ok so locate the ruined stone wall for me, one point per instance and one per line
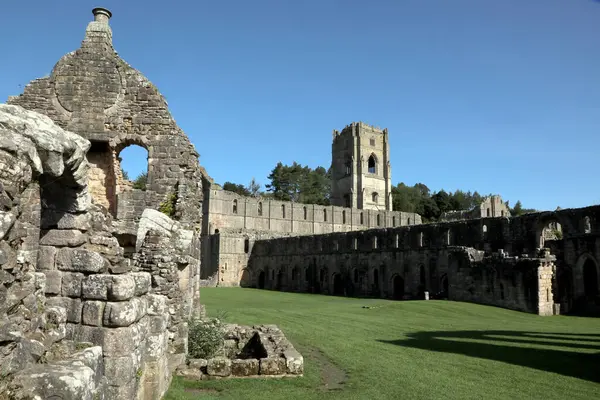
(96, 94)
(523, 284)
(250, 219)
(67, 283)
(491, 206)
(406, 261)
(230, 210)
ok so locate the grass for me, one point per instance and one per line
(411, 349)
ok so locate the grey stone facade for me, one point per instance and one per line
(499, 261)
(361, 170)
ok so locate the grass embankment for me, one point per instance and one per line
(410, 350)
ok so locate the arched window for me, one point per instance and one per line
(246, 245)
(235, 206)
(408, 221)
(393, 220)
(325, 215)
(347, 202)
(260, 208)
(283, 210)
(372, 164)
(362, 219)
(305, 213)
(343, 216)
(375, 197)
(378, 220)
(488, 212)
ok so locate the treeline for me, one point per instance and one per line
(303, 184)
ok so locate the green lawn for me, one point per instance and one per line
(410, 350)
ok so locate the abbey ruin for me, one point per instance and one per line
(97, 285)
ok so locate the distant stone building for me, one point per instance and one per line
(491, 206)
(360, 166)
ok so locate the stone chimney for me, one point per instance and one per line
(98, 31)
(101, 15)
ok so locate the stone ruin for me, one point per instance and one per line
(248, 351)
(80, 320)
(96, 286)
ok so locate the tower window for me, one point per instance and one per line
(372, 164)
(283, 210)
(375, 197)
(235, 206)
(378, 220)
(362, 220)
(260, 208)
(343, 216)
(372, 141)
(325, 215)
(305, 213)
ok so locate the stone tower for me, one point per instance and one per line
(360, 166)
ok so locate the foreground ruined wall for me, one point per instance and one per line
(66, 284)
(405, 262)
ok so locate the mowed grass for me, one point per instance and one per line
(411, 349)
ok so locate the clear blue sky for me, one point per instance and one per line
(494, 96)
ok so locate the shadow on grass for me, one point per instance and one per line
(569, 362)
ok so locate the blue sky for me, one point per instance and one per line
(494, 96)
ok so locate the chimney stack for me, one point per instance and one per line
(101, 15)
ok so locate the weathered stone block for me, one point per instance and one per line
(157, 304)
(219, 366)
(143, 281)
(198, 363)
(63, 238)
(53, 282)
(272, 366)
(115, 342)
(294, 362)
(244, 367)
(73, 307)
(81, 222)
(124, 313)
(71, 284)
(95, 287)
(122, 288)
(80, 260)
(93, 312)
(46, 257)
(157, 323)
(120, 370)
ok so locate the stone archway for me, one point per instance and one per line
(444, 285)
(245, 279)
(397, 287)
(261, 280)
(338, 285)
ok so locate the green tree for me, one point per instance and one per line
(125, 174)
(517, 209)
(141, 181)
(236, 188)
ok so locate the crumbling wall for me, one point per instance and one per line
(66, 280)
(97, 95)
(404, 262)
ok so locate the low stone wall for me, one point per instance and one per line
(248, 352)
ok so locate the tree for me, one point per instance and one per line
(253, 188)
(236, 188)
(125, 174)
(141, 181)
(299, 183)
(517, 209)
